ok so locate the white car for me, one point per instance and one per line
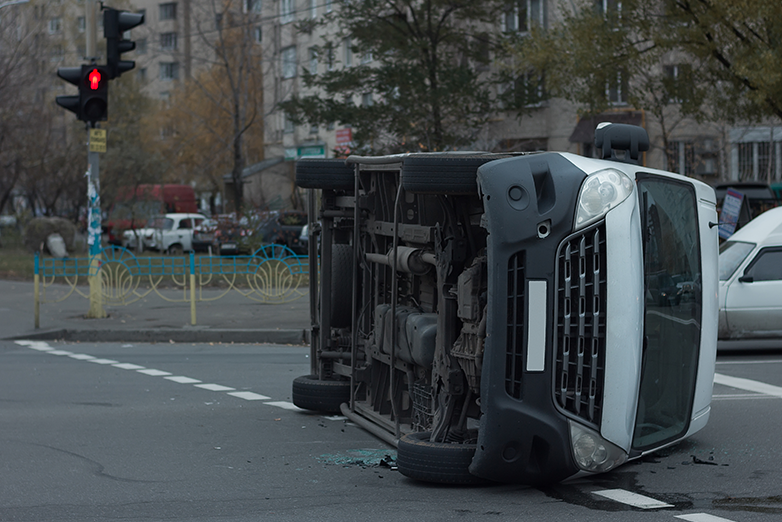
(750, 292)
(140, 239)
(173, 233)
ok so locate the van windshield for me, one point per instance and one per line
(672, 320)
(732, 254)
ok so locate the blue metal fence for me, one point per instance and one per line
(272, 274)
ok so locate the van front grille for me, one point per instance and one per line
(581, 323)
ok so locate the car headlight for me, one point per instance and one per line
(601, 191)
(592, 452)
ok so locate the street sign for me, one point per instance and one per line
(97, 140)
(308, 151)
(729, 217)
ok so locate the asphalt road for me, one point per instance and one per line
(206, 432)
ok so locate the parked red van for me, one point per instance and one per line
(133, 208)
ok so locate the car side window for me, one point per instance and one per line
(185, 224)
(767, 266)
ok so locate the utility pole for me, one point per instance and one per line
(94, 229)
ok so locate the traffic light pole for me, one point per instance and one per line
(94, 231)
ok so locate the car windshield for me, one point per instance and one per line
(732, 254)
(671, 327)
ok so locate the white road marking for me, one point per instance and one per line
(102, 361)
(182, 380)
(702, 517)
(249, 396)
(747, 384)
(214, 387)
(128, 366)
(35, 345)
(246, 395)
(60, 352)
(284, 405)
(154, 373)
(632, 499)
(742, 396)
(769, 361)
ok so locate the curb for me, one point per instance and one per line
(176, 335)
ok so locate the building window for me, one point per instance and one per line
(55, 25)
(329, 57)
(57, 53)
(81, 24)
(168, 11)
(692, 158)
(677, 81)
(366, 58)
(521, 15)
(313, 128)
(258, 33)
(756, 153)
(313, 60)
(168, 41)
(756, 161)
(616, 89)
(287, 11)
(141, 46)
(289, 62)
(314, 8)
(142, 75)
(287, 124)
(347, 52)
(252, 6)
(366, 100)
(529, 89)
(329, 6)
(169, 71)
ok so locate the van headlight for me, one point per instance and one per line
(592, 452)
(601, 191)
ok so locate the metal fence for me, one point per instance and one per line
(272, 274)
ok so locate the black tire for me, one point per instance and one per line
(176, 250)
(438, 462)
(324, 396)
(324, 174)
(341, 285)
(438, 174)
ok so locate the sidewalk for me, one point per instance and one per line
(232, 318)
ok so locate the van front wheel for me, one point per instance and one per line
(439, 462)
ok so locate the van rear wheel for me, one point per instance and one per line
(309, 393)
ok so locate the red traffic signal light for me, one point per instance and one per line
(92, 103)
(94, 93)
(93, 79)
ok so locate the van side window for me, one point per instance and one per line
(185, 224)
(767, 266)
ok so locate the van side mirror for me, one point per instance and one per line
(747, 279)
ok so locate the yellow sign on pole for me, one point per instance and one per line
(97, 140)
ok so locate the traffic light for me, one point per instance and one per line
(94, 93)
(72, 103)
(115, 23)
(92, 102)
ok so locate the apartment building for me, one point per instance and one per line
(173, 44)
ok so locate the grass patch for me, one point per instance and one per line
(17, 264)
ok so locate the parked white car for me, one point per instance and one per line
(750, 266)
(173, 233)
(140, 239)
